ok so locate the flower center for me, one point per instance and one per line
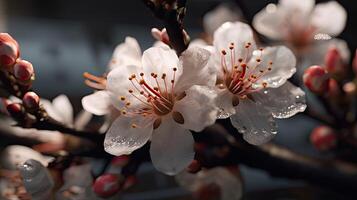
(239, 77)
(156, 96)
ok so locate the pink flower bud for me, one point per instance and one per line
(323, 138)
(31, 100)
(333, 61)
(316, 79)
(120, 160)
(9, 50)
(194, 167)
(15, 109)
(106, 185)
(23, 70)
(161, 35)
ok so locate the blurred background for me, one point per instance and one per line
(64, 38)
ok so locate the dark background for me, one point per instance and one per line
(64, 38)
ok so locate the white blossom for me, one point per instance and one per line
(308, 29)
(161, 99)
(252, 83)
(126, 53)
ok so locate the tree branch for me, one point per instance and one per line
(172, 16)
(276, 160)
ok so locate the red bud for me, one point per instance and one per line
(333, 61)
(15, 110)
(23, 70)
(106, 185)
(31, 100)
(316, 79)
(9, 50)
(323, 138)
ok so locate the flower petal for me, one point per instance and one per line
(160, 60)
(271, 22)
(284, 101)
(198, 108)
(122, 138)
(222, 13)
(239, 33)
(126, 53)
(82, 119)
(171, 148)
(118, 85)
(224, 102)
(97, 103)
(302, 6)
(329, 18)
(64, 108)
(195, 69)
(283, 66)
(254, 121)
(51, 110)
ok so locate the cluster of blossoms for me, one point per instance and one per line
(160, 97)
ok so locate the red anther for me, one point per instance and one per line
(9, 50)
(23, 70)
(323, 138)
(120, 160)
(194, 167)
(316, 79)
(106, 185)
(333, 61)
(31, 100)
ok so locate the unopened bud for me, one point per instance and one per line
(31, 100)
(333, 61)
(9, 50)
(323, 138)
(161, 35)
(316, 79)
(194, 167)
(15, 110)
(106, 185)
(23, 70)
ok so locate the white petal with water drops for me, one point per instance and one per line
(254, 121)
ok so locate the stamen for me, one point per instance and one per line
(95, 82)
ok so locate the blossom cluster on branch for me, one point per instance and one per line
(189, 107)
